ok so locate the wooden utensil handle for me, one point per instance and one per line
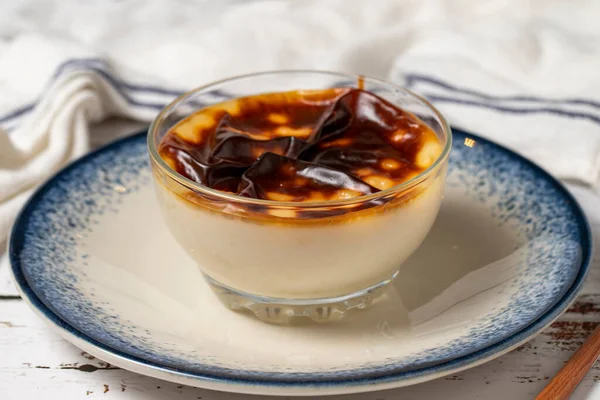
(567, 379)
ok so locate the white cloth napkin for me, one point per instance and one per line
(525, 74)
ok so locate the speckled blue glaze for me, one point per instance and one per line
(554, 237)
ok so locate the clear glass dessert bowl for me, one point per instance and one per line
(284, 259)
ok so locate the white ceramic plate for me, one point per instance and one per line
(506, 256)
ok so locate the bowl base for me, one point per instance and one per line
(285, 312)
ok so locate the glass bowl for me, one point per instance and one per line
(282, 260)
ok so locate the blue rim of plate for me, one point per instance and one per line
(16, 244)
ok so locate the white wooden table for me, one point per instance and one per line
(36, 363)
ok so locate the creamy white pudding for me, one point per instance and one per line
(304, 176)
(301, 259)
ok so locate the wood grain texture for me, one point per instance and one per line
(35, 361)
(564, 383)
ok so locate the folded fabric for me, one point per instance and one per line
(526, 77)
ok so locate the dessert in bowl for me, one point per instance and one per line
(297, 193)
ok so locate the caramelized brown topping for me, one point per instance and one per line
(301, 146)
(298, 181)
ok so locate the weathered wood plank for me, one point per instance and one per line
(35, 360)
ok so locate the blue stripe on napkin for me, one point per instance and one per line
(129, 90)
(413, 79)
(512, 110)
